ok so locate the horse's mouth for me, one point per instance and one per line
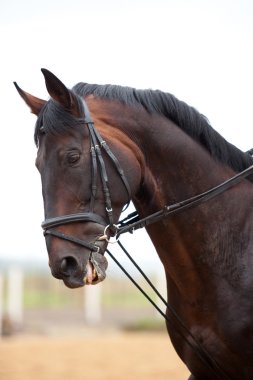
(91, 274)
(95, 272)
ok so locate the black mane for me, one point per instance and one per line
(187, 118)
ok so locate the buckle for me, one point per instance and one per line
(97, 248)
(116, 236)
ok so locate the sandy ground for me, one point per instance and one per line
(112, 355)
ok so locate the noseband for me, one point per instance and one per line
(97, 145)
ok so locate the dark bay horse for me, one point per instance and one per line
(99, 147)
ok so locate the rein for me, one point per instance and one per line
(132, 223)
(173, 318)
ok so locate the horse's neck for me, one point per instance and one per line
(177, 168)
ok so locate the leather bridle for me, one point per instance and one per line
(98, 167)
(131, 222)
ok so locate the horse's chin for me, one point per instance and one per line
(73, 282)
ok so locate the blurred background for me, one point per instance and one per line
(198, 50)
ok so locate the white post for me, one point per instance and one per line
(92, 304)
(1, 305)
(15, 296)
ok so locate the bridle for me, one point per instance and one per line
(98, 167)
(131, 223)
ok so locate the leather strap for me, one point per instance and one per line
(94, 170)
(135, 223)
(116, 164)
(91, 246)
(79, 217)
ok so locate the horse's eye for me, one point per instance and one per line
(73, 158)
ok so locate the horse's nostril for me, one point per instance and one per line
(63, 264)
(68, 266)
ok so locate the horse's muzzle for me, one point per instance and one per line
(75, 274)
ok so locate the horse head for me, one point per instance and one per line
(87, 177)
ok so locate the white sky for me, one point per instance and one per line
(198, 50)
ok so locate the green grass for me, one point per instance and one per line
(38, 299)
(43, 291)
(126, 299)
(146, 324)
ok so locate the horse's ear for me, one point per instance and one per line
(57, 90)
(34, 103)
